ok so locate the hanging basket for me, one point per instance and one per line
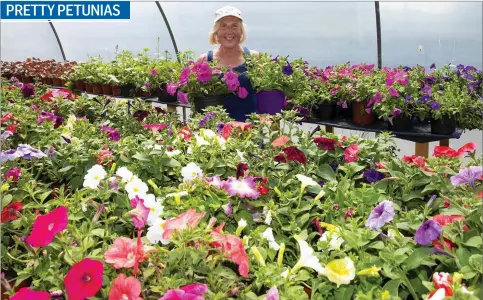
(360, 115)
(270, 102)
(201, 103)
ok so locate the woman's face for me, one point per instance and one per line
(229, 34)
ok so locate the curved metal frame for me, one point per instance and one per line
(169, 29)
(58, 40)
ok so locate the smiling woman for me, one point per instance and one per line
(229, 32)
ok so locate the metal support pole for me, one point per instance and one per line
(169, 30)
(58, 40)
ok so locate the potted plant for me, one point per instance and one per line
(316, 96)
(341, 83)
(367, 82)
(202, 84)
(159, 74)
(275, 80)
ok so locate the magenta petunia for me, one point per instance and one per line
(47, 226)
(242, 93)
(182, 97)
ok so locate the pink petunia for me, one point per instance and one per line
(13, 174)
(182, 97)
(28, 294)
(171, 88)
(244, 188)
(124, 252)
(155, 127)
(194, 291)
(139, 214)
(401, 77)
(84, 279)
(242, 93)
(233, 85)
(230, 77)
(351, 153)
(125, 288)
(393, 92)
(203, 76)
(232, 247)
(187, 220)
(47, 226)
(184, 76)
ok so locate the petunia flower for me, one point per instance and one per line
(443, 280)
(155, 127)
(351, 153)
(242, 92)
(13, 174)
(243, 188)
(272, 294)
(268, 235)
(191, 171)
(428, 232)
(183, 97)
(27, 152)
(84, 279)
(187, 220)
(28, 294)
(194, 291)
(10, 212)
(333, 238)
(280, 141)
(325, 143)
(232, 247)
(47, 226)
(125, 251)
(140, 213)
(156, 231)
(136, 187)
(467, 176)
(307, 259)
(215, 181)
(94, 176)
(340, 271)
(373, 175)
(125, 288)
(382, 214)
(291, 153)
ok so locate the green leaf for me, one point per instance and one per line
(148, 272)
(301, 221)
(474, 242)
(475, 262)
(170, 162)
(326, 172)
(6, 200)
(22, 277)
(393, 287)
(141, 157)
(65, 169)
(98, 232)
(345, 292)
(414, 260)
(376, 245)
(463, 256)
(44, 196)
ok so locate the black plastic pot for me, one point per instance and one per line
(326, 111)
(128, 90)
(344, 113)
(401, 123)
(211, 100)
(444, 126)
(164, 96)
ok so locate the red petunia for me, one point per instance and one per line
(186, 133)
(155, 127)
(12, 128)
(7, 117)
(325, 143)
(241, 170)
(449, 244)
(47, 226)
(226, 131)
(262, 186)
(291, 153)
(84, 279)
(10, 212)
(444, 281)
(444, 151)
(28, 294)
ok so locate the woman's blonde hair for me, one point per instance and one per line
(216, 26)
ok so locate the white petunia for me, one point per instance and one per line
(155, 208)
(94, 176)
(136, 187)
(340, 271)
(207, 133)
(125, 174)
(268, 235)
(240, 155)
(173, 153)
(200, 141)
(307, 258)
(155, 232)
(306, 181)
(191, 171)
(221, 141)
(268, 215)
(335, 240)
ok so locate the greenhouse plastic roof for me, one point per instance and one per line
(323, 33)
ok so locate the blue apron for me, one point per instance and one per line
(237, 108)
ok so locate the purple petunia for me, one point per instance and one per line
(228, 208)
(430, 201)
(113, 133)
(219, 127)
(9, 155)
(435, 105)
(5, 134)
(207, 118)
(456, 134)
(28, 90)
(382, 214)
(428, 232)
(287, 69)
(425, 98)
(27, 152)
(467, 176)
(372, 175)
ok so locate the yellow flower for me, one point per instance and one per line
(340, 271)
(329, 227)
(385, 295)
(372, 271)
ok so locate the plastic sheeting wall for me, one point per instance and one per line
(323, 33)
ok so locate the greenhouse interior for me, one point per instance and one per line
(244, 150)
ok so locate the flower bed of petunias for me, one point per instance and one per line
(102, 199)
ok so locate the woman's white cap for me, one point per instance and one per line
(228, 11)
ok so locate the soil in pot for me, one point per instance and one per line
(444, 126)
(211, 100)
(106, 89)
(326, 111)
(360, 115)
(401, 123)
